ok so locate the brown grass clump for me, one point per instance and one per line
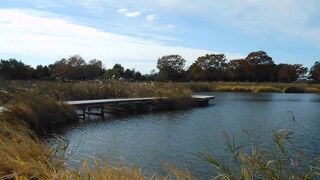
(265, 89)
(234, 89)
(198, 86)
(21, 153)
(4, 96)
(173, 98)
(312, 90)
(40, 113)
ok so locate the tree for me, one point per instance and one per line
(41, 72)
(116, 72)
(315, 72)
(259, 57)
(291, 72)
(93, 70)
(215, 66)
(195, 72)
(14, 69)
(71, 68)
(263, 66)
(171, 67)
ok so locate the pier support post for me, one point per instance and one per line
(83, 113)
(102, 111)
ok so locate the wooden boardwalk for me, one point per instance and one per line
(87, 105)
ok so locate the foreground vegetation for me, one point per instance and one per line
(262, 163)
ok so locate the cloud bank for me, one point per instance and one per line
(27, 33)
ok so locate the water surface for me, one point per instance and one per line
(179, 138)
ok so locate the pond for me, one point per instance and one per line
(180, 138)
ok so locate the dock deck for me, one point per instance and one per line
(85, 105)
(129, 100)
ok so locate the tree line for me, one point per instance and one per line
(256, 67)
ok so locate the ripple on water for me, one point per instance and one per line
(181, 137)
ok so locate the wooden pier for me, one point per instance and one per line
(86, 105)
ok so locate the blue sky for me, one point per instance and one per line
(136, 33)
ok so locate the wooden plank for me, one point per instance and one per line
(109, 101)
(99, 102)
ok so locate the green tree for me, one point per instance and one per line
(116, 72)
(315, 71)
(93, 70)
(14, 69)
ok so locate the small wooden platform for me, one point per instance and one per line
(87, 105)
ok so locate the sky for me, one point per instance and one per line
(135, 33)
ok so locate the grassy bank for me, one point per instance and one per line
(252, 87)
(97, 90)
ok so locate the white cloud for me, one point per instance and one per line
(150, 17)
(129, 13)
(291, 19)
(41, 36)
(123, 10)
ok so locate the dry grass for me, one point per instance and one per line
(265, 89)
(312, 90)
(266, 164)
(40, 113)
(234, 89)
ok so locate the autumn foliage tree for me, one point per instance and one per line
(171, 67)
(214, 66)
(291, 72)
(75, 67)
